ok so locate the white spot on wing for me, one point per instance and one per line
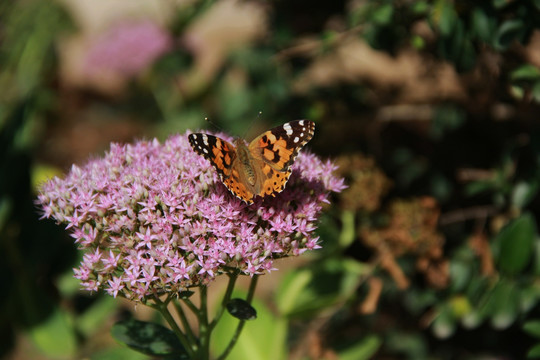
(301, 122)
(288, 129)
(205, 139)
(296, 139)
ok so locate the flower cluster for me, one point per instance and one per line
(155, 218)
(129, 48)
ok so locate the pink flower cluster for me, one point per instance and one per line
(154, 218)
(129, 48)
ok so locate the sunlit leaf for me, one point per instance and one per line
(262, 339)
(55, 337)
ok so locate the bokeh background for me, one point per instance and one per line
(431, 109)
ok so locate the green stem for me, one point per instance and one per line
(226, 298)
(204, 328)
(187, 328)
(193, 308)
(162, 308)
(240, 326)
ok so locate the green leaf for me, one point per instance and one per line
(536, 261)
(148, 338)
(412, 345)
(419, 7)
(460, 274)
(305, 291)
(348, 233)
(515, 242)
(447, 17)
(528, 298)
(383, 15)
(502, 305)
(532, 328)
(499, 4)
(472, 320)
(241, 309)
(534, 352)
(363, 349)
(523, 193)
(55, 336)
(117, 353)
(95, 316)
(481, 25)
(263, 339)
(444, 324)
(525, 72)
(509, 31)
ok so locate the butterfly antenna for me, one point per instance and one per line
(214, 124)
(248, 130)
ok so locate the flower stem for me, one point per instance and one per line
(185, 323)
(230, 287)
(204, 328)
(240, 326)
(193, 308)
(161, 306)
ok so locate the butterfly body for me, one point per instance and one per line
(259, 168)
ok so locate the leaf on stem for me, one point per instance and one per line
(241, 309)
(148, 338)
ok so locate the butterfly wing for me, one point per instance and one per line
(219, 152)
(222, 156)
(277, 148)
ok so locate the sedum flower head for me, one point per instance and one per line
(154, 218)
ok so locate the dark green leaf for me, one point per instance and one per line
(186, 294)
(447, 18)
(241, 309)
(504, 304)
(509, 31)
(481, 25)
(515, 242)
(148, 338)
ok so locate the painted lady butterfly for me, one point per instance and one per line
(261, 168)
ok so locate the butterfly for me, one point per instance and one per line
(260, 168)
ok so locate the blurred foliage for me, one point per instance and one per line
(430, 109)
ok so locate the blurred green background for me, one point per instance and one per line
(431, 109)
